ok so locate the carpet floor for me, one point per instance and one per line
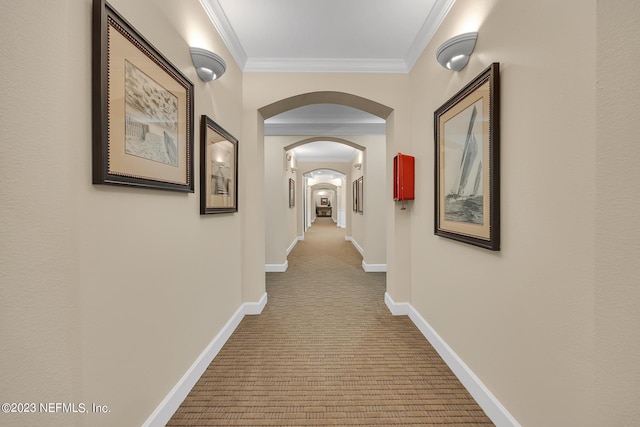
(326, 352)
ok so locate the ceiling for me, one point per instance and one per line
(325, 151)
(324, 176)
(364, 36)
(325, 119)
(326, 35)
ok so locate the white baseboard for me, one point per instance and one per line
(487, 401)
(369, 268)
(354, 243)
(293, 244)
(176, 396)
(255, 308)
(374, 268)
(276, 268)
(396, 308)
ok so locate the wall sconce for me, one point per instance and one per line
(454, 53)
(209, 66)
(358, 166)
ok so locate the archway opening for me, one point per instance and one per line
(371, 220)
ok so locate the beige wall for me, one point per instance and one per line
(376, 198)
(108, 294)
(263, 89)
(40, 314)
(365, 229)
(522, 318)
(282, 220)
(617, 231)
(357, 229)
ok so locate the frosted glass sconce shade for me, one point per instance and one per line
(209, 66)
(454, 53)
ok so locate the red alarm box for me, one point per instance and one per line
(403, 177)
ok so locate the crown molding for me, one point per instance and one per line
(429, 28)
(219, 18)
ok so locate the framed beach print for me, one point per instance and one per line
(142, 110)
(292, 193)
(467, 168)
(218, 169)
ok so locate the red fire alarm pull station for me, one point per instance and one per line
(403, 177)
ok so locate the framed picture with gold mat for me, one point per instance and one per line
(360, 195)
(467, 166)
(218, 169)
(142, 109)
(292, 193)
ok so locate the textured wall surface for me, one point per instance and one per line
(522, 318)
(108, 294)
(39, 311)
(617, 235)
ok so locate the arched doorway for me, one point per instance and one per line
(254, 229)
(357, 151)
(364, 225)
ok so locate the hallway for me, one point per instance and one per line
(326, 351)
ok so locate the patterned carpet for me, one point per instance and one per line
(326, 352)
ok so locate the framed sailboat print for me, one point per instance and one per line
(467, 160)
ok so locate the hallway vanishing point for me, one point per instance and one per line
(326, 352)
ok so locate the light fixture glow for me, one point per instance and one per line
(210, 75)
(209, 66)
(454, 53)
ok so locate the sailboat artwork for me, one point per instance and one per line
(463, 162)
(467, 163)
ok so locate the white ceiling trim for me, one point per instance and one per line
(324, 129)
(324, 65)
(435, 18)
(221, 22)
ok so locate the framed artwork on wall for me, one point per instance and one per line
(292, 193)
(360, 194)
(218, 169)
(324, 201)
(354, 194)
(467, 167)
(142, 110)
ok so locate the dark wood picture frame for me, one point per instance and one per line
(354, 193)
(218, 169)
(467, 163)
(360, 192)
(292, 193)
(142, 110)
